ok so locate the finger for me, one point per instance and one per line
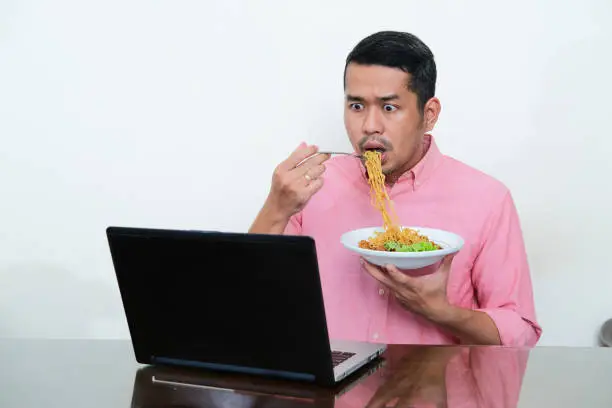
(447, 261)
(385, 395)
(405, 402)
(303, 171)
(379, 401)
(305, 193)
(398, 276)
(377, 273)
(313, 174)
(314, 186)
(310, 162)
(301, 153)
(316, 171)
(446, 264)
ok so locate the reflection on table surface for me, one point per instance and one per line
(103, 373)
(407, 376)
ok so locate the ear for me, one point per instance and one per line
(431, 112)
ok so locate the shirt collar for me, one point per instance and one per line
(424, 168)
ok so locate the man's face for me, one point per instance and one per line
(382, 113)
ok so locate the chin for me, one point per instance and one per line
(387, 169)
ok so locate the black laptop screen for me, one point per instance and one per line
(238, 299)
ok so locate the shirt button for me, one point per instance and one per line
(381, 291)
(375, 336)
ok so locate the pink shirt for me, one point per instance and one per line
(490, 273)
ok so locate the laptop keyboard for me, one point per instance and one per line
(339, 357)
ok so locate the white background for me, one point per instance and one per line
(174, 113)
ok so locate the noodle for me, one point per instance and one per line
(394, 237)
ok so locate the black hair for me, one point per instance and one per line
(400, 50)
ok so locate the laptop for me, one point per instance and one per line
(235, 302)
(162, 386)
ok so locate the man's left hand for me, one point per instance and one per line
(424, 295)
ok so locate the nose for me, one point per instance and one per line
(373, 123)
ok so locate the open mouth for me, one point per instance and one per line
(381, 150)
(374, 145)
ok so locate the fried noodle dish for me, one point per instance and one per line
(394, 238)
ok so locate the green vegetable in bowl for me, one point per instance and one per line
(393, 246)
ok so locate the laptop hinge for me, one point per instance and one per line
(235, 368)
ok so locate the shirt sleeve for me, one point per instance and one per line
(294, 226)
(502, 280)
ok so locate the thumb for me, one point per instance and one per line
(446, 263)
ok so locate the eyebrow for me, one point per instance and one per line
(386, 98)
(353, 98)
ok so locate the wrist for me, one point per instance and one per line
(274, 214)
(447, 315)
(270, 220)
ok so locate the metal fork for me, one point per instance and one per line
(359, 156)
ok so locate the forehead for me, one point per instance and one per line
(375, 81)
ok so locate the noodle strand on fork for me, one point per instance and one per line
(381, 201)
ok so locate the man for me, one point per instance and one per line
(483, 295)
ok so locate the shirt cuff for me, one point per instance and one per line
(514, 330)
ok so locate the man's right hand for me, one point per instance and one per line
(294, 182)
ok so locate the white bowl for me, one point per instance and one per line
(449, 242)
